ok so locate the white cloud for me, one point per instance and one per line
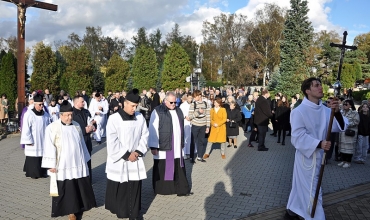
(123, 18)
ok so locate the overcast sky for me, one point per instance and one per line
(122, 18)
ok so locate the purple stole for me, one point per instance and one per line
(170, 160)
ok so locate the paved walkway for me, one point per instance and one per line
(248, 184)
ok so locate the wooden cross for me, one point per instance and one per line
(22, 6)
(343, 47)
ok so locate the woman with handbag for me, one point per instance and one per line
(347, 139)
(218, 128)
(232, 122)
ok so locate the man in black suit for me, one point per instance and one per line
(82, 117)
(115, 103)
(262, 114)
(156, 100)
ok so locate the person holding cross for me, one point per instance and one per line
(309, 123)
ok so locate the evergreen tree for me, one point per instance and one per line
(79, 70)
(176, 68)
(8, 78)
(98, 81)
(144, 68)
(294, 54)
(117, 74)
(44, 74)
(348, 76)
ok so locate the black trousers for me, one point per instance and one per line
(262, 130)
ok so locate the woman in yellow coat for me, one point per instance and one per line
(218, 128)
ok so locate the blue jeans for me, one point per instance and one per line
(361, 148)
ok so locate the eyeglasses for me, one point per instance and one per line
(40, 104)
(171, 102)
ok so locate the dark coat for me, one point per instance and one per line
(282, 115)
(262, 112)
(233, 115)
(156, 101)
(81, 117)
(114, 103)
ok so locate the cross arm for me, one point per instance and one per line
(42, 5)
(343, 46)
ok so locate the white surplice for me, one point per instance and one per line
(104, 121)
(33, 132)
(187, 127)
(122, 137)
(65, 150)
(55, 109)
(100, 119)
(153, 141)
(309, 123)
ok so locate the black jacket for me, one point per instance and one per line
(81, 117)
(282, 115)
(114, 103)
(165, 131)
(233, 115)
(262, 112)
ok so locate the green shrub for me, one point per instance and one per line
(357, 95)
(366, 95)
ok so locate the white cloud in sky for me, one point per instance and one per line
(123, 18)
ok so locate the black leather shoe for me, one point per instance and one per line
(278, 141)
(192, 161)
(273, 134)
(235, 146)
(250, 145)
(229, 145)
(289, 134)
(263, 149)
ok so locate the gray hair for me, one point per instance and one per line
(232, 97)
(170, 93)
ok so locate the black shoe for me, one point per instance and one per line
(235, 146)
(283, 143)
(99, 142)
(250, 145)
(187, 194)
(192, 161)
(273, 134)
(278, 141)
(229, 145)
(263, 149)
(289, 134)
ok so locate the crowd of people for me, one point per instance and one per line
(57, 135)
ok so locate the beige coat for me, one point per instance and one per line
(347, 143)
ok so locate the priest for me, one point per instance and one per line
(127, 137)
(309, 123)
(166, 140)
(66, 156)
(34, 124)
(98, 110)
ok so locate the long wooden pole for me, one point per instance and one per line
(21, 68)
(322, 165)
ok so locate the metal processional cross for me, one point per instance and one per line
(343, 47)
(22, 6)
